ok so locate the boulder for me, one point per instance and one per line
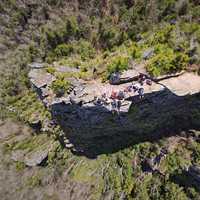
(35, 122)
(36, 65)
(39, 78)
(69, 146)
(36, 157)
(109, 195)
(124, 77)
(114, 78)
(148, 53)
(125, 106)
(194, 59)
(45, 92)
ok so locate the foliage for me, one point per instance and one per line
(60, 86)
(63, 50)
(109, 36)
(161, 36)
(118, 64)
(34, 181)
(82, 48)
(85, 49)
(29, 109)
(166, 60)
(135, 51)
(51, 70)
(173, 192)
(20, 166)
(53, 36)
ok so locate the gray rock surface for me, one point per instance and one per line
(36, 65)
(67, 69)
(148, 53)
(18, 155)
(114, 78)
(36, 157)
(88, 122)
(109, 195)
(40, 78)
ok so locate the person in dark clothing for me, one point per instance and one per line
(97, 101)
(114, 106)
(104, 98)
(141, 92)
(120, 95)
(94, 72)
(149, 82)
(142, 78)
(135, 87)
(119, 103)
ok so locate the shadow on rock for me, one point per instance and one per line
(188, 178)
(94, 130)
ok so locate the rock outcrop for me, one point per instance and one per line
(148, 53)
(87, 123)
(36, 158)
(33, 158)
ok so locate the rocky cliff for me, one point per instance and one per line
(91, 128)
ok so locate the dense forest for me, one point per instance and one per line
(106, 35)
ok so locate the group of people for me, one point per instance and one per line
(115, 99)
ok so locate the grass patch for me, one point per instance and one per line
(20, 166)
(60, 86)
(34, 181)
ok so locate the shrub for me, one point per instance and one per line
(61, 33)
(72, 28)
(118, 64)
(51, 70)
(189, 28)
(34, 181)
(135, 51)
(82, 48)
(85, 49)
(195, 12)
(20, 166)
(63, 50)
(173, 191)
(166, 61)
(60, 86)
(33, 52)
(109, 36)
(162, 35)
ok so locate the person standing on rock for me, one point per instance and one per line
(149, 82)
(141, 93)
(94, 72)
(120, 95)
(141, 78)
(114, 106)
(104, 98)
(113, 95)
(119, 103)
(136, 87)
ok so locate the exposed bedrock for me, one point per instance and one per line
(168, 107)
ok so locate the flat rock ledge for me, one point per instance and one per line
(78, 111)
